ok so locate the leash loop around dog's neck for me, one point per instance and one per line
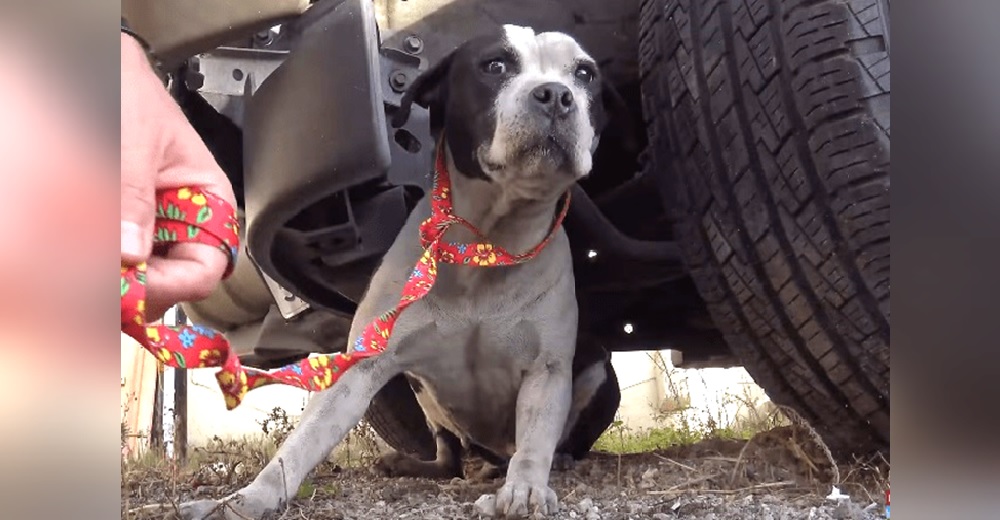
(183, 218)
(482, 253)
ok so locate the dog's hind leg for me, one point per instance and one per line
(596, 398)
(447, 464)
(494, 466)
(326, 420)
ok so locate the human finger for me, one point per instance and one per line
(186, 272)
(140, 154)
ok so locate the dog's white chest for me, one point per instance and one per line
(469, 377)
(470, 343)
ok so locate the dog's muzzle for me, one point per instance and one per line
(552, 101)
(550, 125)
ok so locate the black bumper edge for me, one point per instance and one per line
(321, 187)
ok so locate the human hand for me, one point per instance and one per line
(160, 150)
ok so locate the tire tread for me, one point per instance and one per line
(769, 121)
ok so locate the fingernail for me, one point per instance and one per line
(132, 241)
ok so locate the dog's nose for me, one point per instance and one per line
(554, 99)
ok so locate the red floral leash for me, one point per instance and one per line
(191, 215)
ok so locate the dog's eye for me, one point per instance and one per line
(584, 73)
(495, 66)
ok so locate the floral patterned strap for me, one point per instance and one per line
(182, 215)
(198, 347)
(195, 215)
(482, 253)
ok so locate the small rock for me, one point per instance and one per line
(583, 506)
(846, 510)
(392, 493)
(660, 516)
(592, 516)
(486, 505)
(572, 514)
(207, 491)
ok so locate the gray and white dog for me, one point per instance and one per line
(490, 350)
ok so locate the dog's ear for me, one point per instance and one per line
(428, 90)
(614, 104)
(617, 119)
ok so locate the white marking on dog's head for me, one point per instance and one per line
(527, 137)
(519, 108)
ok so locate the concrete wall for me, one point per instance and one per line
(655, 393)
(207, 414)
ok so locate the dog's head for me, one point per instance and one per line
(517, 108)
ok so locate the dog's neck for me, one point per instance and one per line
(515, 223)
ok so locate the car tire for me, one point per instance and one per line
(397, 418)
(768, 127)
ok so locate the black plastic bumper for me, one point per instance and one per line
(317, 154)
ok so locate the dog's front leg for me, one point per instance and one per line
(543, 404)
(326, 420)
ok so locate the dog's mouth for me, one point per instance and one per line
(540, 151)
(552, 148)
(554, 144)
(548, 149)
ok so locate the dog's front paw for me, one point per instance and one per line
(202, 510)
(518, 499)
(234, 507)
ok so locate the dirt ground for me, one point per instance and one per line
(779, 474)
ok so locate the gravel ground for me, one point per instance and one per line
(779, 474)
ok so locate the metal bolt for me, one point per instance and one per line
(398, 81)
(413, 44)
(264, 37)
(194, 80)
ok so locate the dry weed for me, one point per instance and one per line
(223, 466)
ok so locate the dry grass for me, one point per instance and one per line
(768, 451)
(154, 484)
(764, 448)
(784, 462)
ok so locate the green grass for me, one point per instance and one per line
(673, 429)
(680, 424)
(621, 439)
